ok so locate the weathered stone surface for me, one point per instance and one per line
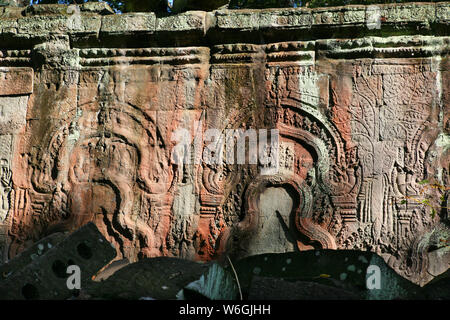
(188, 21)
(97, 7)
(159, 278)
(131, 22)
(73, 22)
(242, 19)
(15, 81)
(359, 95)
(443, 12)
(12, 3)
(13, 111)
(32, 253)
(346, 270)
(274, 235)
(45, 277)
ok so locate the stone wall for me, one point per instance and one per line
(90, 100)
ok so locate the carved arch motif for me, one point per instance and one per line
(115, 145)
(336, 162)
(334, 171)
(302, 213)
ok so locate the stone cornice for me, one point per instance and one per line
(37, 20)
(92, 35)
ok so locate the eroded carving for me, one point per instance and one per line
(93, 141)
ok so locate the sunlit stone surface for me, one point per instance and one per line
(90, 100)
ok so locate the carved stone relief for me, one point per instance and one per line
(87, 117)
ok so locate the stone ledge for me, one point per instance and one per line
(94, 18)
(187, 21)
(443, 12)
(101, 8)
(8, 25)
(346, 15)
(16, 81)
(43, 25)
(129, 22)
(394, 46)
